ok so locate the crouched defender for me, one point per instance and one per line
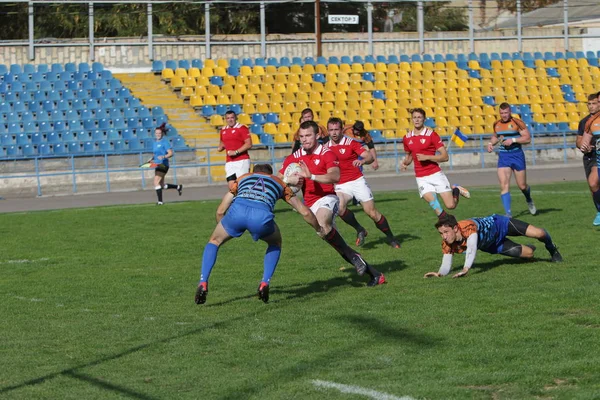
(249, 206)
(487, 234)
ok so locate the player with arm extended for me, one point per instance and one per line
(320, 171)
(235, 140)
(358, 132)
(588, 136)
(488, 234)
(248, 206)
(352, 184)
(511, 133)
(162, 151)
(421, 146)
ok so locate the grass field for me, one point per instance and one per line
(98, 303)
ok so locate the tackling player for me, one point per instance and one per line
(421, 145)
(249, 206)
(352, 183)
(511, 133)
(320, 170)
(487, 234)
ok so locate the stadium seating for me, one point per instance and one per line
(71, 109)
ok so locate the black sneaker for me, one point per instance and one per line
(359, 264)
(180, 189)
(263, 292)
(377, 280)
(201, 293)
(556, 257)
(360, 237)
(394, 243)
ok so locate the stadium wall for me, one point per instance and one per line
(129, 56)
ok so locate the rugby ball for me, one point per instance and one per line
(292, 169)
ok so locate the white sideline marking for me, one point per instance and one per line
(535, 192)
(24, 261)
(359, 390)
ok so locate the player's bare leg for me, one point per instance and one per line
(521, 179)
(516, 228)
(159, 180)
(504, 175)
(434, 203)
(380, 222)
(209, 257)
(348, 217)
(594, 184)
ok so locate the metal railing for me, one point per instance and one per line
(387, 150)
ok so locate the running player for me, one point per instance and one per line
(236, 141)
(421, 145)
(591, 139)
(488, 234)
(352, 183)
(249, 206)
(511, 133)
(320, 170)
(589, 155)
(162, 151)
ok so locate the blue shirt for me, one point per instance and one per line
(263, 189)
(486, 231)
(161, 148)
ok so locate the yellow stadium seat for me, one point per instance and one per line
(583, 63)
(194, 72)
(321, 69)
(352, 115)
(216, 120)
(478, 120)
(220, 71)
(284, 128)
(241, 80)
(308, 69)
(223, 99)
(270, 128)
(333, 68)
(381, 67)
(255, 139)
(368, 67)
(582, 108)
(187, 91)
(279, 138)
(317, 87)
(302, 96)
(258, 70)
(441, 122)
(338, 114)
(196, 101)
(315, 96)
(466, 121)
(181, 72)
(345, 68)
(404, 66)
(249, 98)
(176, 82)
(270, 79)
(540, 64)
(340, 96)
(377, 124)
(271, 70)
(210, 100)
(167, 74)
(296, 69)
(245, 70)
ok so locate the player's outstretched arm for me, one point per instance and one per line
(469, 255)
(308, 215)
(224, 206)
(444, 268)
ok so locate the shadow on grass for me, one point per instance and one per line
(378, 329)
(540, 211)
(116, 389)
(503, 261)
(371, 243)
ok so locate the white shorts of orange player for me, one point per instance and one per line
(358, 188)
(238, 168)
(434, 183)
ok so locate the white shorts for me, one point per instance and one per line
(358, 188)
(330, 202)
(238, 168)
(434, 183)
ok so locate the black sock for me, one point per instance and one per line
(159, 194)
(455, 195)
(596, 197)
(337, 242)
(527, 193)
(349, 218)
(442, 214)
(384, 227)
(170, 186)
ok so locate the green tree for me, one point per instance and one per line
(526, 5)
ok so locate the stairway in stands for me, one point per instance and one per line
(194, 128)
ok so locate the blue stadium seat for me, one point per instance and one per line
(221, 109)
(272, 118)
(234, 62)
(563, 127)
(74, 148)
(14, 128)
(15, 69)
(449, 57)
(89, 147)
(247, 62)
(37, 138)
(171, 64)
(298, 61)
(236, 108)
(105, 146)
(368, 76)
(319, 78)
(52, 137)
(59, 127)
(196, 63)
(207, 111)
(233, 71)
(6, 139)
(29, 150)
(144, 112)
(322, 60)
(258, 118)
(157, 110)
(427, 58)
(45, 150)
(538, 55)
(133, 122)
(333, 60)
(120, 145)
(346, 60)
(13, 151)
(256, 129)
(185, 64)
(216, 80)
(60, 148)
(179, 143)
(273, 62)
(23, 138)
(148, 122)
(97, 67)
(68, 136)
(358, 60)
(106, 75)
(3, 69)
(260, 62)
(285, 62)
(135, 144)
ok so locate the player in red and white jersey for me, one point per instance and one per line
(421, 146)
(320, 171)
(236, 141)
(352, 183)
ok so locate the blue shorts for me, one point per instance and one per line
(243, 216)
(497, 234)
(514, 160)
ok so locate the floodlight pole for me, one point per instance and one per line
(31, 31)
(519, 27)
(471, 28)
(421, 26)
(92, 54)
(370, 26)
(566, 23)
(150, 33)
(263, 29)
(207, 30)
(318, 26)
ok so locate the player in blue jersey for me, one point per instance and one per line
(249, 206)
(511, 133)
(162, 151)
(487, 234)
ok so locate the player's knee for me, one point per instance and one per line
(513, 251)
(451, 205)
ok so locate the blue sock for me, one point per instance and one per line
(209, 257)
(506, 203)
(527, 193)
(435, 204)
(596, 197)
(271, 260)
(547, 240)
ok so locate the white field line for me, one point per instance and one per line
(358, 390)
(536, 192)
(24, 261)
